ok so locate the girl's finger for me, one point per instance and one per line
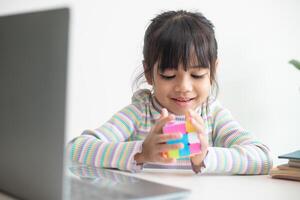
(168, 147)
(162, 159)
(164, 113)
(166, 137)
(162, 121)
(196, 116)
(199, 127)
(203, 139)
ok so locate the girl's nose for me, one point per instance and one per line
(183, 84)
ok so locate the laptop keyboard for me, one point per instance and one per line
(96, 183)
(88, 189)
(89, 183)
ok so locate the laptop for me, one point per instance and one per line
(33, 86)
(33, 70)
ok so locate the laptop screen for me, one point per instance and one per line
(33, 71)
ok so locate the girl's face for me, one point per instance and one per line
(179, 90)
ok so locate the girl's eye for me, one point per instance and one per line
(167, 77)
(198, 76)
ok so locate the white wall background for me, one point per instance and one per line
(256, 40)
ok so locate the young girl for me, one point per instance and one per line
(180, 62)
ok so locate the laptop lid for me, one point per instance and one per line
(33, 69)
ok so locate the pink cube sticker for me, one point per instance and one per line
(174, 127)
(195, 148)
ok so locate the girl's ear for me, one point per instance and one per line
(147, 74)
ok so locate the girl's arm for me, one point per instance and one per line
(235, 150)
(110, 145)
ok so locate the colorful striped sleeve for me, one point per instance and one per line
(234, 150)
(112, 145)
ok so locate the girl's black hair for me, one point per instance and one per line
(177, 37)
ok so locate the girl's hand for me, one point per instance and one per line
(154, 146)
(198, 123)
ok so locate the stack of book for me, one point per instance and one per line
(290, 170)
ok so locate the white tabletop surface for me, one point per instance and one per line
(212, 186)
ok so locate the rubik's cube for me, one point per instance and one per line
(189, 139)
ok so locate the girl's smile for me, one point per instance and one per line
(183, 101)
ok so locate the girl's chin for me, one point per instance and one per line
(180, 111)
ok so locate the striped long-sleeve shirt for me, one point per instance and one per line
(113, 145)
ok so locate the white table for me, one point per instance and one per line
(211, 186)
